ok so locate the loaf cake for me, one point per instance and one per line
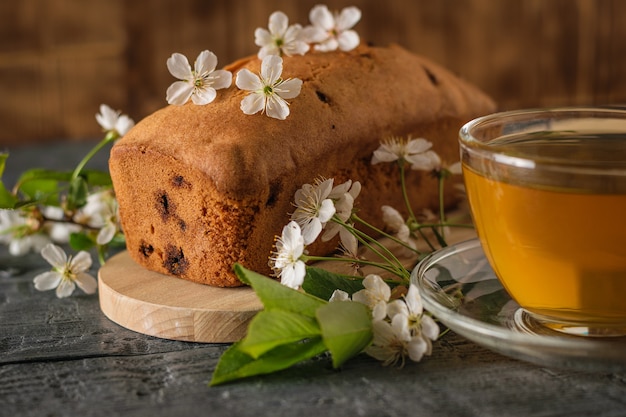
(201, 188)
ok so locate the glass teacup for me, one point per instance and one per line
(547, 192)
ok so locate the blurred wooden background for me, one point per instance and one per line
(59, 59)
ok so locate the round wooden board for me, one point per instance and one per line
(171, 308)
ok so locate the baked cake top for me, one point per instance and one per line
(342, 97)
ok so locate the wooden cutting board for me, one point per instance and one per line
(172, 308)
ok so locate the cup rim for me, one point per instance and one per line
(470, 143)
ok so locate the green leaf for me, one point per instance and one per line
(43, 174)
(270, 329)
(7, 200)
(322, 283)
(92, 176)
(77, 195)
(118, 241)
(236, 364)
(274, 295)
(44, 185)
(346, 329)
(97, 178)
(81, 241)
(41, 185)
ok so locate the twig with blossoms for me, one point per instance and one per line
(397, 327)
(320, 206)
(407, 331)
(76, 207)
(268, 92)
(400, 326)
(417, 153)
(313, 310)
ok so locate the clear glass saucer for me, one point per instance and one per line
(461, 290)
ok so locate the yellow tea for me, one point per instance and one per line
(560, 251)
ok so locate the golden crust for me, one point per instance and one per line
(202, 187)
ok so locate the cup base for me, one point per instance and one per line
(534, 323)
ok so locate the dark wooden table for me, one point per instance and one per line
(64, 357)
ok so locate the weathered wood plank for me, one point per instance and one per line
(459, 379)
(36, 326)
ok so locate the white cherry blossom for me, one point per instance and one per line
(314, 208)
(285, 261)
(396, 224)
(280, 39)
(401, 327)
(375, 295)
(393, 342)
(114, 121)
(416, 152)
(268, 92)
(427, 161)
(339, 295)
(199, 84)
(343, 196)
(412, 310)
(58, 229)
(21, 233)
(66, 272)
(455, 168)
(349, 242)
(330, 31)
(101, 212)
(432, 162)
(408, 314)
